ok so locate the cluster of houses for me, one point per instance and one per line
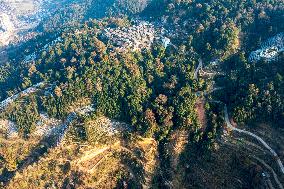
(269, 50)
(135, 38)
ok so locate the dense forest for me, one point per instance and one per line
(256, 89)
(147, 89)
(154, 90)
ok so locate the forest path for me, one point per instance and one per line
(197, 69)
(95, 152)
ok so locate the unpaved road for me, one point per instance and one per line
(197, 69)
(229, 125)
(227, 120)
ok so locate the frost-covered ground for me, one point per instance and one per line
(50, 126)
(269, 50)
(46, 125)
(8, 128)
(110, 126)
(6, 29)
(27, 91)
(17, 16)
(32, 57)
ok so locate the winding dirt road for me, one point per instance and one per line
(259, 139)
(227, 120)
(197, 69)
(272, 171)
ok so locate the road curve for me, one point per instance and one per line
(271, 170)
(197, 69)
(227, 120)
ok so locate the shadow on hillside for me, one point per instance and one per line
(99, 8)
(38, 151)
(154, 8)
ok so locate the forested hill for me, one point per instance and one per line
(216, 30)
(165, 69)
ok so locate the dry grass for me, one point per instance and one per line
(177, 146)
(90, 166)
(15, 150)
(82, 102)
(201, 112)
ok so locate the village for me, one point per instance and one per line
(137, 37)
